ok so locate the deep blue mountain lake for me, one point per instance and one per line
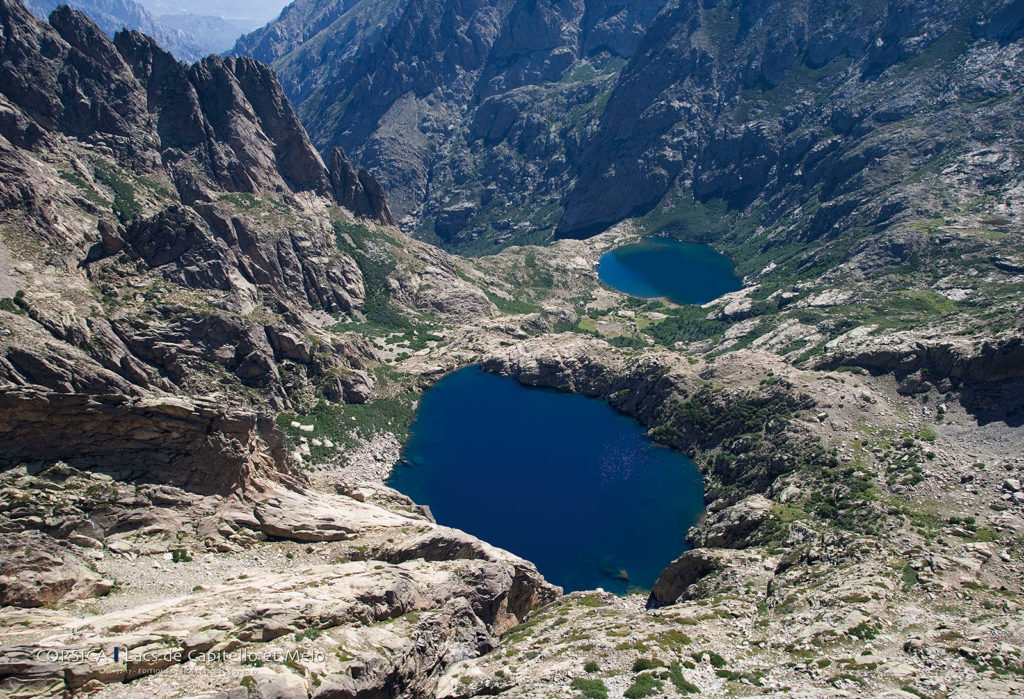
(559, 479)
(666, 268)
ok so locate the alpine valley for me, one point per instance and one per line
(219, 314)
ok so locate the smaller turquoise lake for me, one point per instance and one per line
(559, 479)
(686, 273)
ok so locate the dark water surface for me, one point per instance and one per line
(665, 268)
(559, 479)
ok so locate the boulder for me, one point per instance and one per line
(736, 526)
(31, 576)
(287, 345)
(675, 582)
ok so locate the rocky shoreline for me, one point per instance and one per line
(761, 522)
(212, 345)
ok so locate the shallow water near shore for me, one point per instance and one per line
(686, 273)
(559, 479)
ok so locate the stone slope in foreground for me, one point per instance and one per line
(169, 269)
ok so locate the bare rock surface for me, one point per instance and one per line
(162, 440)
(35, 572)
(377, 580)
(208, 367)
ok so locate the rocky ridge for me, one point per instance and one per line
(173, 256)
(861, 537)
(184, 211)
(814, 570)
(810, 122)
(189, 37)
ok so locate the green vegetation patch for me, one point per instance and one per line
(645, 685)
(709, 415)
(592, 600)
(641, 664)
(511, 306)
(16, 304)
(87, 190)
(592, 689)
(672, 638)
(243, 200)
(675, 675)
(376, 264)
(125, 205)
(343, 423)
(686, 324)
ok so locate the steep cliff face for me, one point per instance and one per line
(738, 102)
(181, 210)
(196, 447)
(470, 113)
(359, 192)
(517, 122)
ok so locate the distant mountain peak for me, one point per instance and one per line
(188, 37)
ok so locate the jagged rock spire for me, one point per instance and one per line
(360, 192)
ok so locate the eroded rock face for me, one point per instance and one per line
(736, 527)
(195, 446)
(674, 582)
(435, 286)
(444, 544)
(183, 215)
(359, 192)
(123, 483)
(341, 606)
(209, 248)
(35, 572)
(932, 358)
(83, 85)
(645, 105)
